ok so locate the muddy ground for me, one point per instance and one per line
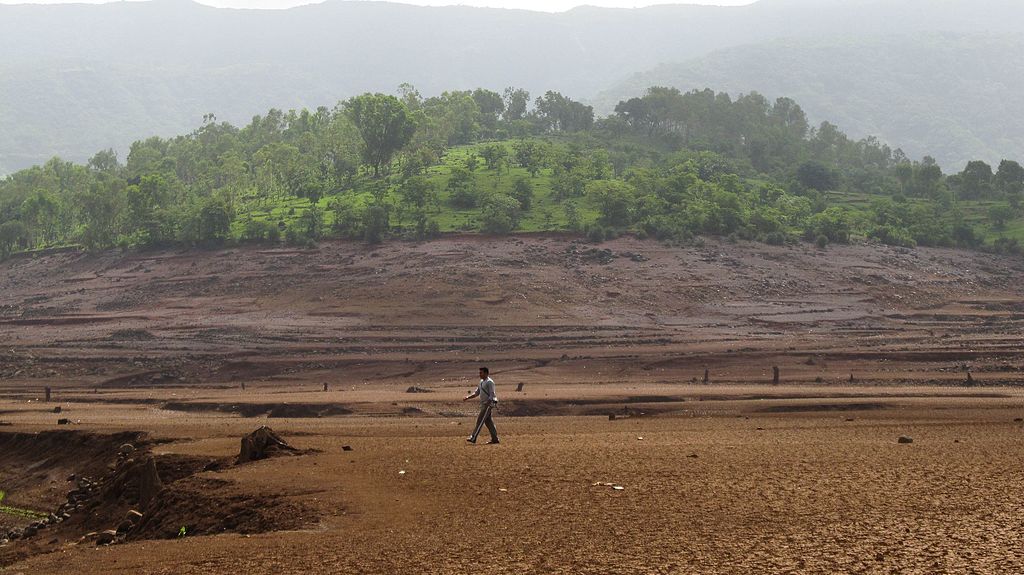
(182, 353)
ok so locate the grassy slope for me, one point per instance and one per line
(546, 214)
(975, 213)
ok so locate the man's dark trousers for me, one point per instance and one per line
(485, 419)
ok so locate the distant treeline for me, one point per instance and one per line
(670, 165)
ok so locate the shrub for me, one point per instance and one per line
(499, 214)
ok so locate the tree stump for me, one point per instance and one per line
(519, 387)
(48, 390)
(775, 375)
(707, 376)
(260, 444)
(149, 482)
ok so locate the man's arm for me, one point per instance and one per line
(475, 393)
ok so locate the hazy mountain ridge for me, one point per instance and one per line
(949, 96)
(78, 78)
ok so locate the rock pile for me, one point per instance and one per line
(76, 502)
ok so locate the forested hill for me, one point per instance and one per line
(954, 97)
(671, 165)
(78, 78)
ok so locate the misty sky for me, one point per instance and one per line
(545, 5)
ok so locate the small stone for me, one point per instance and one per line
(346, 448)
(63, 421)
(905, 439)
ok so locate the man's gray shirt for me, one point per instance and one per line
(486, 392)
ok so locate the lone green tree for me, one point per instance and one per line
(385, 125)
(976, 180)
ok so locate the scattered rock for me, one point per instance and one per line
(63, 421)
(57, 409)
(126, 449)
(346, 448)
(414, 389)
(905, 439)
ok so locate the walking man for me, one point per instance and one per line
(488, 401)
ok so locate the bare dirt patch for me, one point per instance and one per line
(628, 364)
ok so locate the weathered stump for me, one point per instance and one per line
(260, 444)
(149, 482)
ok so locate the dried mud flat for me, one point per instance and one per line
(610, 343)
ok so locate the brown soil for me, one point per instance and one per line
(733, 476)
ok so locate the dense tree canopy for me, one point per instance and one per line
(670, 165)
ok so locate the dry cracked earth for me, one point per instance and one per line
(648, 434)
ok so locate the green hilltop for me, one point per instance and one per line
(669, 165)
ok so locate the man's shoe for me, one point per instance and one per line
(470, 440)
(493, 442)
